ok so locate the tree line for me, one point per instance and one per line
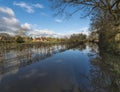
(73, 38)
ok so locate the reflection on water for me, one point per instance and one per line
(14, 59)
(108, 75)
(59, 68)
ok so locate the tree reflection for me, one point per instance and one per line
(22, 56)
(106, 77)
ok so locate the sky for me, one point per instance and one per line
(36, 18)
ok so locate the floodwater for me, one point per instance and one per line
(59, 68)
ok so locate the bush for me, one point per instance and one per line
(20, 40)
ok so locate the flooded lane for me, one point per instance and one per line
(58, 68)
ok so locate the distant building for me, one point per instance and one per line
(39, 39)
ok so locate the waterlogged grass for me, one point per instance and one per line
(15, 45)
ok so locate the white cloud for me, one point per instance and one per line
(49, 33)
(6, 11)
(44, 33)
(26, 26)
(24, 5)
(10, 24)
(28, 7)
(83, 30)
(24, 29)
(58, 20)
(10, 21)
(38, 5)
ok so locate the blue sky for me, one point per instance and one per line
(36, 17)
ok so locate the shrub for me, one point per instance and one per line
(20, 40)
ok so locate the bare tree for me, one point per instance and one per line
(111, 7)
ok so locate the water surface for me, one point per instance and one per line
(57, 68)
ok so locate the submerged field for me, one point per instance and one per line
(59, 68)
